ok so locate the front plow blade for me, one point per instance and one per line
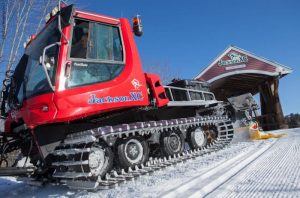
(260, 135)
(256, 134)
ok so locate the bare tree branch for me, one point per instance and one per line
(166, 73)
(23, 24)
(18, 21)
(15, 15)
(7, 14)
(44, 14)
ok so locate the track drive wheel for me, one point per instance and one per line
(196, 137)
(132, 151)
(211, 135)
(100, 159)
(172, 142)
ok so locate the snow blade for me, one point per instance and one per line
(256, 134)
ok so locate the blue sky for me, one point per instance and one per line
(187, 35)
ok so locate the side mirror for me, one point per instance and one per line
(137, 25)
(44, 59)
(46, 62)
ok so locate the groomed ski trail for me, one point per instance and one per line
(205, 183)
(274, 174)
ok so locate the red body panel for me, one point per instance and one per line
(34, 111)
(129, 89)
(157, 88)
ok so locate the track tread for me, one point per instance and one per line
(75, 178)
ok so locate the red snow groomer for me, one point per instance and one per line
(80, 108)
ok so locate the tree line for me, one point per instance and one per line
(293, 120)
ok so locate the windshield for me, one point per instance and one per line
(97, 53)
(29, 75)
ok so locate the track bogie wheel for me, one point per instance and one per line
(196, 137)
(132, 151)
(172, 142)
(100, 159)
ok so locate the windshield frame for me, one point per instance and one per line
(97, 60)
(32, 47)
(65, 83)
(33, 43)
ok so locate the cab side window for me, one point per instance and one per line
(96, 53)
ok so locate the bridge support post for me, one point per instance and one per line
(271, 110)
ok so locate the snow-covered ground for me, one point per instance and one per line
(269, 168)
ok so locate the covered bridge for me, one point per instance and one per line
(237, 71)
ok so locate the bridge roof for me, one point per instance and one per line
(237, 71)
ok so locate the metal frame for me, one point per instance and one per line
(190, 102)
(98, 60)
(98, 15)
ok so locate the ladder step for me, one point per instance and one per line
(84, 185)
(80, 140)
(72, 151)
(70, 163)
(71, 175)
(14, 171)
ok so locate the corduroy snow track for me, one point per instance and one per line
(73, 164)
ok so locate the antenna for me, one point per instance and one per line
(64, 2)
(59, 21)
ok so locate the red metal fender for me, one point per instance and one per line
(159, 92)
